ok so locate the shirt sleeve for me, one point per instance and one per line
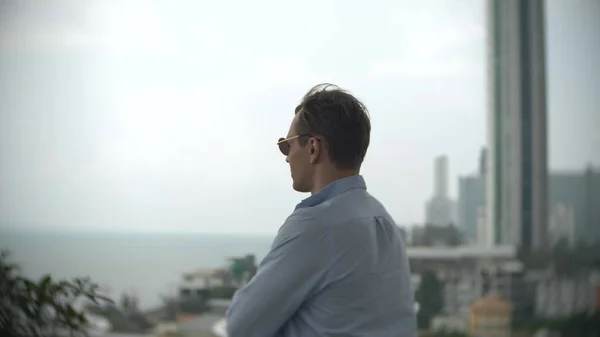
(295, 267)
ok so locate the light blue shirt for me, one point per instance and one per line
(337, 267)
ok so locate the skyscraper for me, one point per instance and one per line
(471, 202)
(439, 210)
(517, 156)
(441, 176)
(578, 192)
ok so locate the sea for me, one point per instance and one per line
(149, 265)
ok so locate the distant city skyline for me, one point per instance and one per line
(144, 116)
(572, 195)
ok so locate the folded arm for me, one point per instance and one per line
(295, 267)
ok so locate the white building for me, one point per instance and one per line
(517, 150)
(560, 296)
(447, 323)
(441, 176)
(484, 235)
(196, 284)
(561, 224)
(460, 293)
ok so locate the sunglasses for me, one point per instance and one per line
(284, 143)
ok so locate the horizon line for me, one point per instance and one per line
(64, 230)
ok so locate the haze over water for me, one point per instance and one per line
(150, 264)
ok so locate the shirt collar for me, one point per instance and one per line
(332, 190)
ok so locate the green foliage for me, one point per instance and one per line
(442, 334)
(122, 320)
(430, 299)
(448, 334)
(42, 308)
(171, 305)
(582, 324)
(238, 270)
(129, 302)
(242, 267)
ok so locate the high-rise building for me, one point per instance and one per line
(441, 176)
(561, 224)
(439, 210)
(471, 202)
(573, 198)
(483, 162)
(572, 207)
(516, 176)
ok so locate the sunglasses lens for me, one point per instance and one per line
(284, 146)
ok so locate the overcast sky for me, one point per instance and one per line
(145, 115)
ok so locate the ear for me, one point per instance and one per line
(314, 150)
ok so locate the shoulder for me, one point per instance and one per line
(301, 226)
(353, 206)
(303, 242)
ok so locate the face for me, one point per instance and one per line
(301, 158)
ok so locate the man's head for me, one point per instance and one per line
(328, 138)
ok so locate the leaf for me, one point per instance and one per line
(92, 298)
(43, 289)
(105, 299)
(32, 308)
(45, 281)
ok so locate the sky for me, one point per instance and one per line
(161, 116)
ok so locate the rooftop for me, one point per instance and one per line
(493, 302)
(458, 252)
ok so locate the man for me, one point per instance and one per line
(338, 266)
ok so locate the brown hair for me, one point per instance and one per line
(340, 119)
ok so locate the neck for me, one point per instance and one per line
(325, 178)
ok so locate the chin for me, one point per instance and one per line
(300, 188)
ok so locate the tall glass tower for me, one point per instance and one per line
(517, 142)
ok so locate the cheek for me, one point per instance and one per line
(291, 159)
(295, 158)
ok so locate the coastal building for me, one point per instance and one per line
(557, 296)
(460, 291)
(516, 176)
(449, 323)
(242, 269)
(491, 316)
(198, 282)
(451, 262)
(435, 236)
(459, 269)
(513, 283)
(464, 284)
